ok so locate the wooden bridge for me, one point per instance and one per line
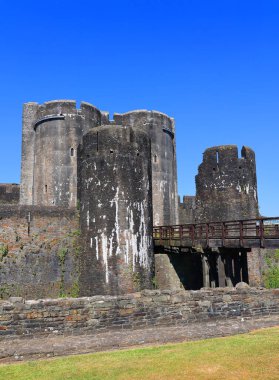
(249, 233)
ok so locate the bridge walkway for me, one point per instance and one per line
(248, 233)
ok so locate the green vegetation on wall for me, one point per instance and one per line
(271, 273)
(4, 250)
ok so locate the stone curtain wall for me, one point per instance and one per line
(187, 209)
(9, 193)
(39, 251)
(148, 308)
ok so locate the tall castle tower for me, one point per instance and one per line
(115, 194)
(226, 185)
(161, 130)
(51, 134)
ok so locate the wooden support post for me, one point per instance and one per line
(221, 272)
(228, 270)
(205, 271)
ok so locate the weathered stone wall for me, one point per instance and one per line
(187, 209)
(226, 186)
(39, 251)
(20, 318)
(9, 193)
(114, 182)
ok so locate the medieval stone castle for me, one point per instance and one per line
(80, 222)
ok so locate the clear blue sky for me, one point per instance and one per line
(212, 65)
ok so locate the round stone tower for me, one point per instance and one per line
(226, 185)
(161, 130)
(114, 192)
(51, 134)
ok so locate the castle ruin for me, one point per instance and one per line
(80, 222)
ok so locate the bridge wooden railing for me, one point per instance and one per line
(260, 232)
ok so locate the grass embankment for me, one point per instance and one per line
(250, 356)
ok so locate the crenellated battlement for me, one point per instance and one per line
(226, 158)
(59, 109)
(144, 117)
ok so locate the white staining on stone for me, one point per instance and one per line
(147, 184)
(238, 188)
(126, 251)
(88, 219)
(110, 245)
(137, 242)
(97, 247)
(163, 185)
(115, 201)
(156, 219)
(91, 242)
(104, 244)
(131, 237)
(88, 182)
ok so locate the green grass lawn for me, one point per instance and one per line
(249, 356)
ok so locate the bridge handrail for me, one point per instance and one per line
(243, 229)
(224, 221)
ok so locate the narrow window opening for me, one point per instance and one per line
(72, 152)
(155, 158)
(111, 151)
(137, 153)
(45, 188)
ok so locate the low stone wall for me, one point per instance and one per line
(19, 318)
